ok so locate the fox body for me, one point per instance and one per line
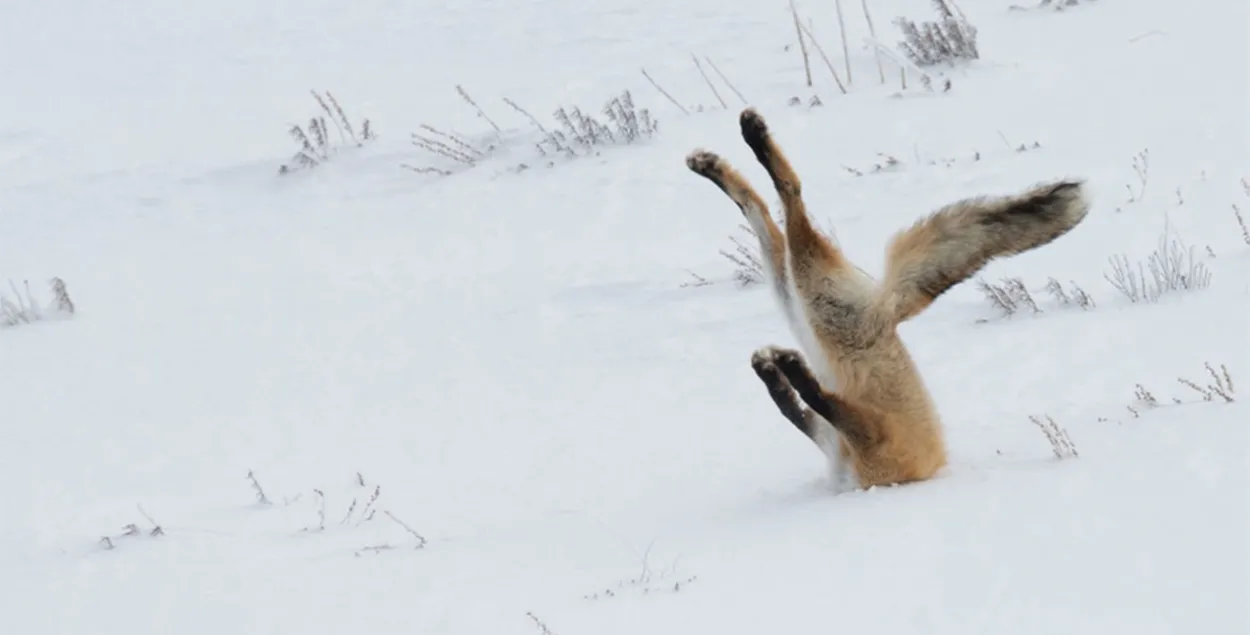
(862, 400)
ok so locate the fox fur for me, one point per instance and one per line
(865, 404)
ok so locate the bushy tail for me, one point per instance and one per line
(953, 243)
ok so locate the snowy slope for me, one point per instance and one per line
(518, 362)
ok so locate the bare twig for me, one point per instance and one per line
(321, 510)
(876, 53)
(540, 625)
(527, 115)
(665, 92)
(821, 51)
(725, 79)
(260, 492)
(846, 51)
(156, 527)
(709, 81)
(1241, 222)
(420, 539)
(798, 31)
(481, 113)
(366, 513)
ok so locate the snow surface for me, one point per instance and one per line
(514, 360)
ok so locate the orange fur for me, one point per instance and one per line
(885, 421)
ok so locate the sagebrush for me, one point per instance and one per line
(948, 39)
(1220, 387)
(1172, 267)
(1011, 295)
(576, 133)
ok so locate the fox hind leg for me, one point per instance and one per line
(712, 167)
(810, 251)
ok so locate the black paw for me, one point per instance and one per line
(779, 390)
(763, 366)
(790, 363)
(754, 130)
(789, 358)
(703, 162)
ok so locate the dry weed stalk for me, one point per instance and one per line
(458, 150)
(1020, 148)
(527, 115)
(708, 80)
(725, 79)
(695, 280)
(156, 529)
(539, 624)
(798, 32)
(886, 163)
(647, 580)
(259, 491)
(481, 113)
(748, 269)
(846, 51)
(1056, 5)
(132, 529)
(377, 549)
(1145, 397)
(321, 511)
(1141, 168)
(821, 50)
(1241, 222)
(1060, 443)
(1221, 387)
(23, 309)
(421, 541)
(665, 92)
(905, 66)
(876, 53)
(366, 514)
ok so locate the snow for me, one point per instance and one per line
(517, 361)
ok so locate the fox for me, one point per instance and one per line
(853, 388)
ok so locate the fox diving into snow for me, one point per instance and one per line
(864, 403)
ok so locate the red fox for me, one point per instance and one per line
(866, 396)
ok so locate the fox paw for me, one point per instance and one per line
(703, 162)
(789, 358)
(763, 356)
(790, 361)
(754, 130)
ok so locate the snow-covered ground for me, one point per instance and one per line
(516, 363)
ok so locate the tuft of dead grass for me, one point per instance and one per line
(316, 143)
(1170, 268)
(21, 305)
